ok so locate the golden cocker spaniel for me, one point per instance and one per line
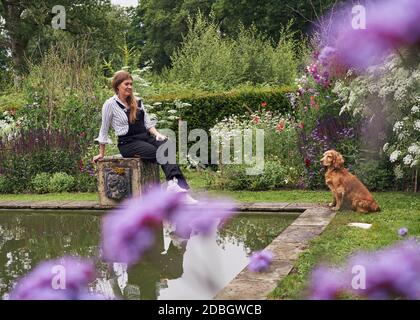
(348, 191)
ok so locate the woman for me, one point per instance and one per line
(137, 135)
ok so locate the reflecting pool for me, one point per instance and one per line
(174, 269)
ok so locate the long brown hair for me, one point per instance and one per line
(118, 78)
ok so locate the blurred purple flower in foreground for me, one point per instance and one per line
(260, 261)
(403, 232)
(388, 273)
(203, 217)
(327, 283)
(390, 24)
(62, 279)
(128, 232)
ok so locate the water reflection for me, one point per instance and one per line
(173, 269)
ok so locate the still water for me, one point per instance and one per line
(173, 269)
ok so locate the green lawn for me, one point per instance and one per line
(334, 245)
(338, 240)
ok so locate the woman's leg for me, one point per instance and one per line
(171, 169)
(146, 150)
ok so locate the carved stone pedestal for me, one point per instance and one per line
(121, 178)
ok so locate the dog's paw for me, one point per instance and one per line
(331, 204)
(335, 208)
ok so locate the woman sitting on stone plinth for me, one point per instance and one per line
(137, 135)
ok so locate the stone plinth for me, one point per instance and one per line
(121, 178)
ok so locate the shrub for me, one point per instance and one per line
(12, 102)
(207, 60)
(375, 174)
(85, 183)
(205, 109)
(5, 185)
(275, 176)
(61, 182)
(35, 151)
(40, 183)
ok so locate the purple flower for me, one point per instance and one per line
(260, 261)
(389, 24)
(403, 232)
(62, 279)
(384, 274)
(203, 217)
(127, 233)
(326, 283)
(326, 55)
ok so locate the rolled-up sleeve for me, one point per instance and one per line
(103, 137)
(148, 123)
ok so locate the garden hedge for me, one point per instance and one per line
(207, 108)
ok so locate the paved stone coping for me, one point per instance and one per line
(268, 207)
(286, 248)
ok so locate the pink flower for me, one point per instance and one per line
(263, 104)
(312, 101)
(256, 120)
(280, 126)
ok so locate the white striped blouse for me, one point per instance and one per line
(114, 115)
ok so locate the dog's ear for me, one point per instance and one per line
(338, 160)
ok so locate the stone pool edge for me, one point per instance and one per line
(286, 248)
(269, 207)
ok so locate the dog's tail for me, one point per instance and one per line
(368, 206)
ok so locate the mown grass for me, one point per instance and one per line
(339, 240)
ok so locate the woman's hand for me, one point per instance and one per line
(97, 157)
(160, 137)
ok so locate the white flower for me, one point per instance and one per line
(414, 149)
(385, 147)
(394, 156)
(399, 174)
(172, 111)
(408, 159)
(417, 125)
(398, 126)
(415, 109)
(414, 163)
(401, 136)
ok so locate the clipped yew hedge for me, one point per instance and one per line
(207, 108)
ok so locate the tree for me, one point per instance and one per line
(28, 29)
(160, 24)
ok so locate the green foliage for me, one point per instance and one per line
(275, 175)
(208, 108)
(35, 151)
(65, 88)
(12, 101)
(206, 60)
(5, 185)
(40, 183)
(158, 25)
(85, 182)
(28, 25)
(375, 174)
(61, 182)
